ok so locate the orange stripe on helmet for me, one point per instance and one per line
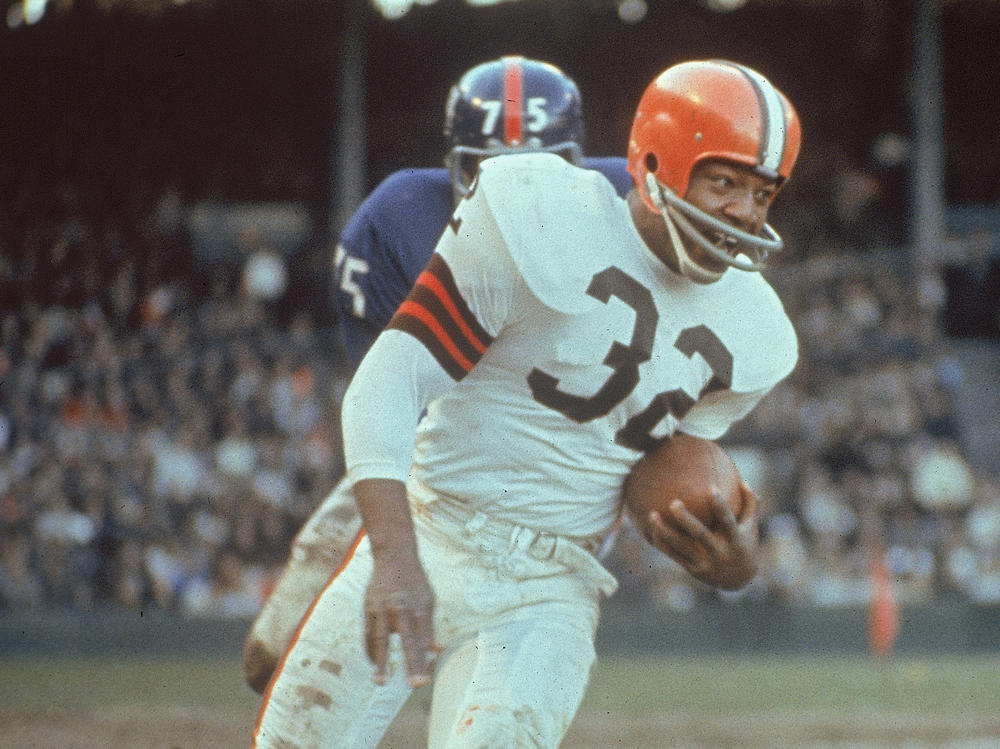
(513, 102)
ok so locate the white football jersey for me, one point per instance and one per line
(568, 347)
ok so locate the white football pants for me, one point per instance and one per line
(317, 551)
(515, 610)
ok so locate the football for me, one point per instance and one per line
(685, 468)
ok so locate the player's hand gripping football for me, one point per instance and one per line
(399, 598)
(724, 557)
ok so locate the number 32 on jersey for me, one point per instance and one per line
(624, 361)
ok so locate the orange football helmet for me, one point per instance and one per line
(711, 109)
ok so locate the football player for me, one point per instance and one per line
(558, 332)
(503, 106)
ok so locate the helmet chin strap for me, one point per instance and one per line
(680, 212)
(688, 267)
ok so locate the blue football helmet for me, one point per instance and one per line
(510, 105)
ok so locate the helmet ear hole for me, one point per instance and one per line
(652, 163)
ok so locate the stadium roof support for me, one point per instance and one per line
(349, 150)
(927, 193)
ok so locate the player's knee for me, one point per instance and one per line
(258, 664)
(501, 726)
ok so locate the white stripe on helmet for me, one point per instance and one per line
(772, 149)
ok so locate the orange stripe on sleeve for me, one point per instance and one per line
(437, 288)
(423, 315)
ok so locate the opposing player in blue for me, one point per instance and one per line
(504, 106)
(557, 334)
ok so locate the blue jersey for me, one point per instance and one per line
(389, 240)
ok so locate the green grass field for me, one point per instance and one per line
(637, 702)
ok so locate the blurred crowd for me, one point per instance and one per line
(167, 424)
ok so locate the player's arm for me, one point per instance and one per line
(436, 337)
(399, 597)
(380, 410)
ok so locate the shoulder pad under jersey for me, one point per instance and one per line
(558, 222)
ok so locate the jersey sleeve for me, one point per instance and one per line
(760, 369)
(358, 331)
(714, 413)
(383, 403)
(468, 292)
(355, 291)
(368, 284)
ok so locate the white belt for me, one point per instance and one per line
(576, 553)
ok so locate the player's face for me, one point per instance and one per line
(732, 193)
